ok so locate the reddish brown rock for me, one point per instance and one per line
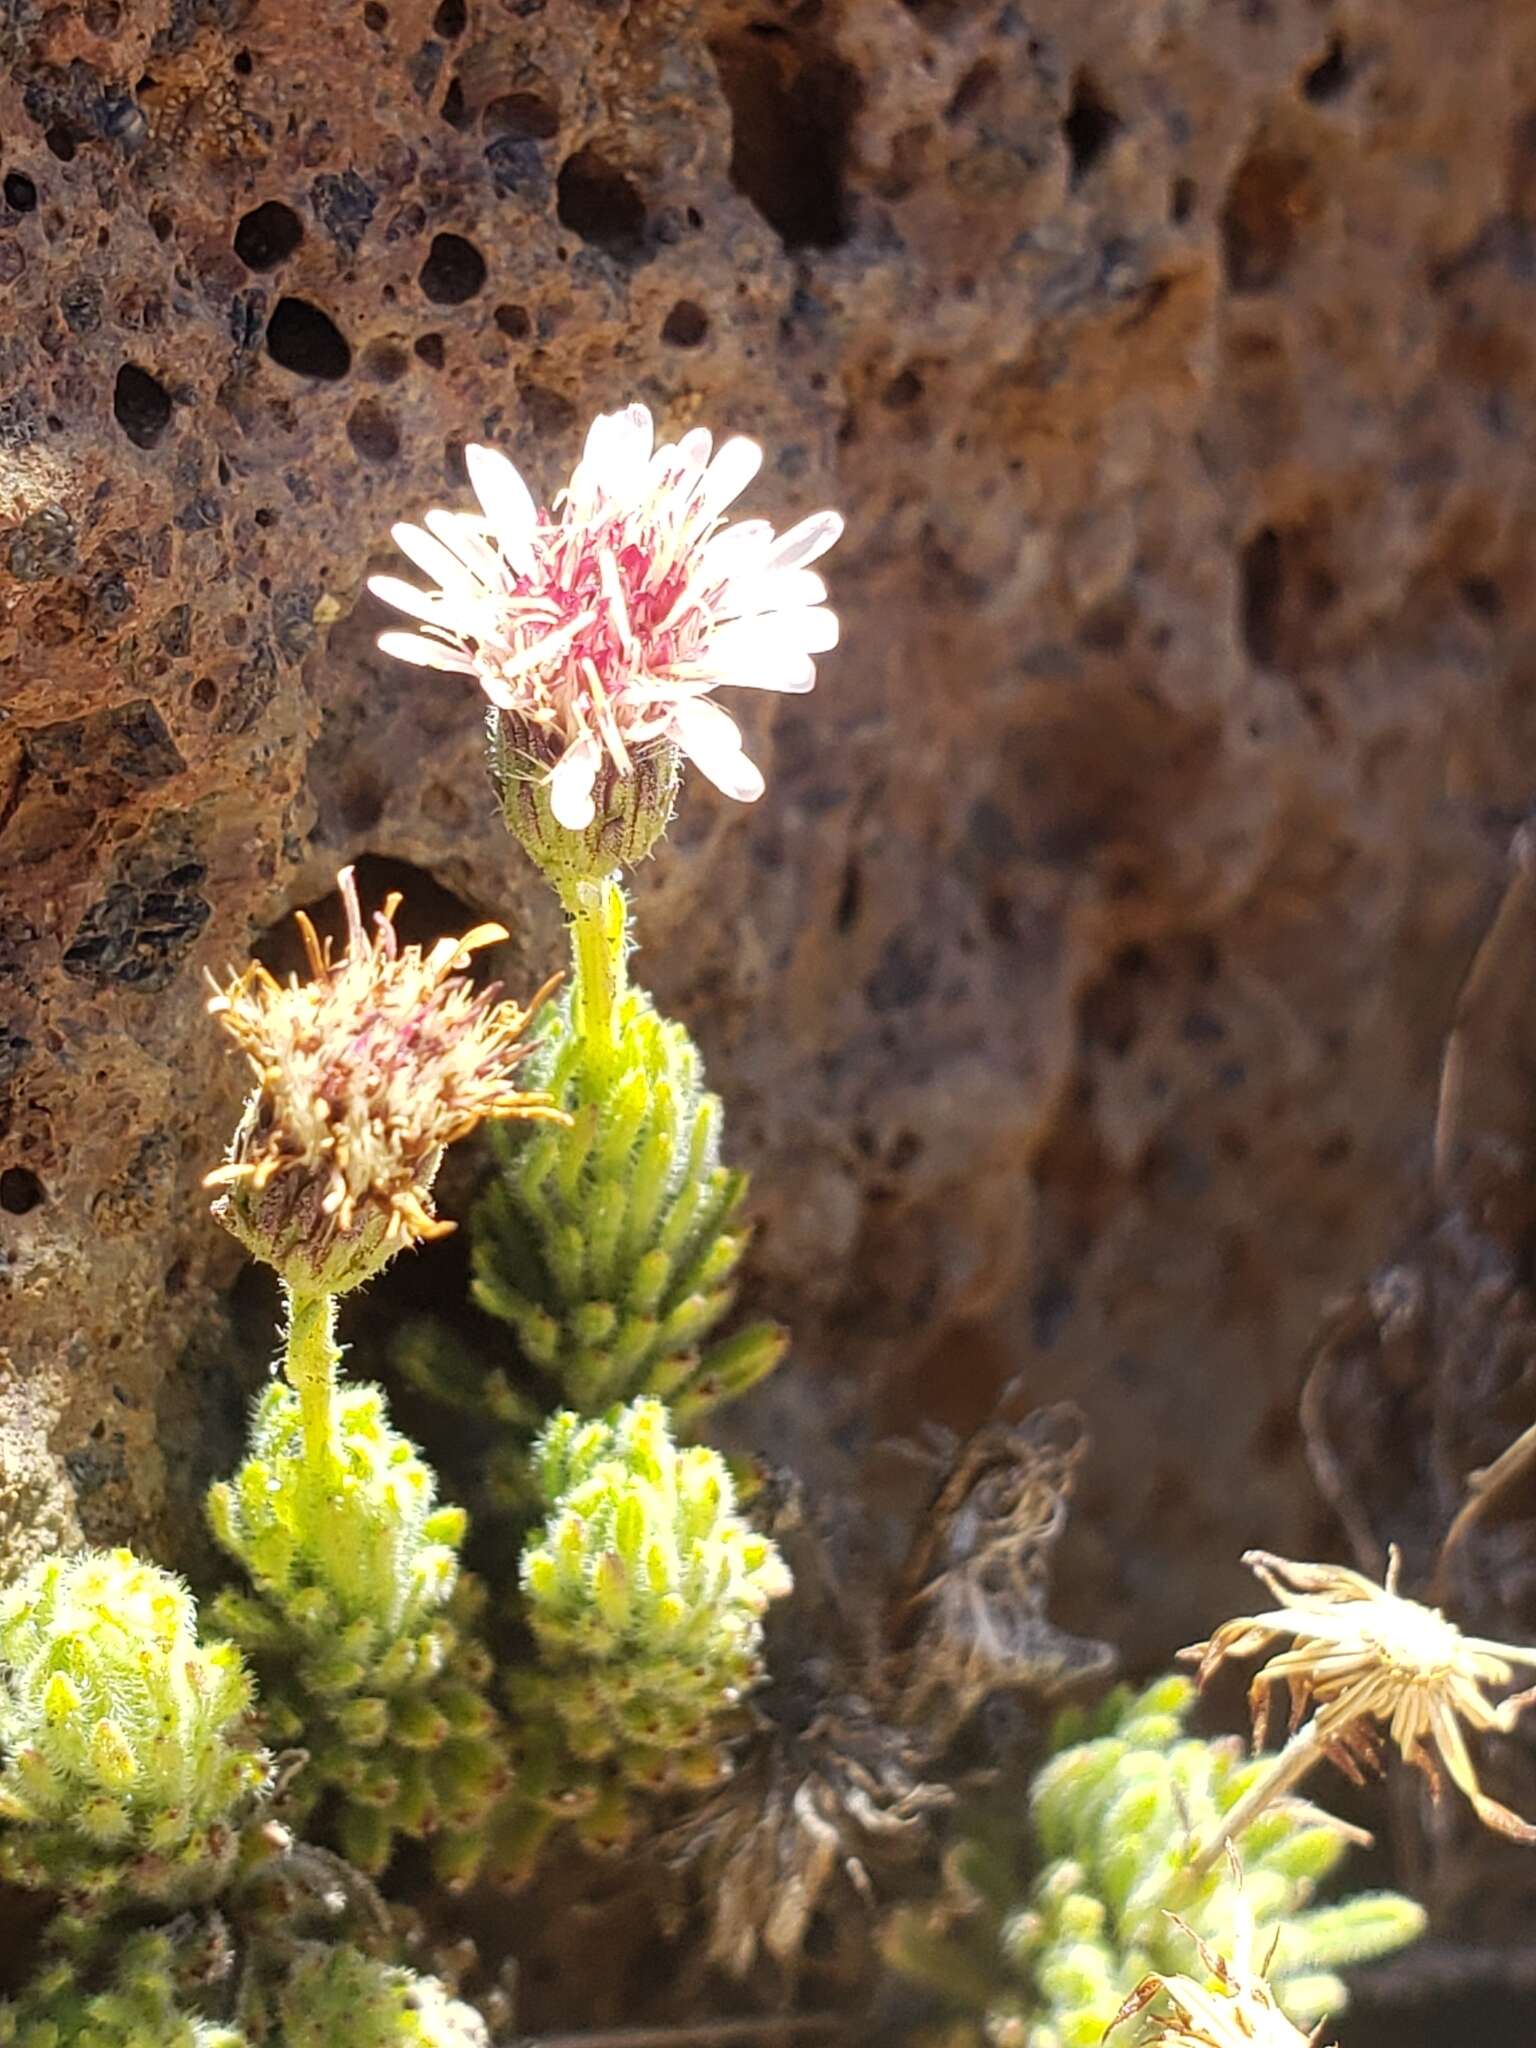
(1078, 987)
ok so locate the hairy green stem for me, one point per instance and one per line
(599, 930)
(1289, 1768)
(310, 1358)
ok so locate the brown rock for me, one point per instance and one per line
(1078, 986)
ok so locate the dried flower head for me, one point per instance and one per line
(600, 627)
(1233, 2008)
(364, 1073)
(1366, 1657)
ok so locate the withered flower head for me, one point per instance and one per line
(363, 1074)
(1233, 2008)
(1367, 1657)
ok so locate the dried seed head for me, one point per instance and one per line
(364, 1073)
(1369, 1659)
(1232, 2007)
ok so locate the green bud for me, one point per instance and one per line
(632, 811)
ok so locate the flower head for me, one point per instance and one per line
(1234, 2007)
(1367, 1657)
(600, 627)
(364, 1073)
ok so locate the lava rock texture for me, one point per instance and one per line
(1078, 989)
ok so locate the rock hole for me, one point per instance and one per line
(427, 911)
(1091, 125)
(903, 391)
(383, 361)
(686, 326)
(1261, 585)
(976, 90)
(1330, 77)
(791, 111)
(1269, 199)
(595, 200)
(20, 1191)
(522, 116)
(428, 348)
(376, 17)
(1480, 594)
(205, 693)
(453, 272)
(453, 110)
(373, 432)
(1182, 195)
(162, 225)
(549, 413)
(849, 896)
(141, 405)
(450, 19)
(20, 192)
(61, 142)
(943, 17)
(514, 322)
(306, 341)
(268, 235)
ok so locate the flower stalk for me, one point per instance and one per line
(311, 1357)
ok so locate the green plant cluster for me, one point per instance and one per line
(140, 2001)
(608, 1246)
(130, 1757)
(357, 1623)
(645, 1592)
(333, 1992)
(1046, 1960)
(133, 1791)
(306, 1994)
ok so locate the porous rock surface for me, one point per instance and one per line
(1077, 989)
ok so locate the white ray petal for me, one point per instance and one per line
(735, 550)
(711, 739)
(614, 460)
(431, 556)
(733, 468)
(425, 653)
(790, 674)
(693, 449)
(807, 541)
(772, 590)
(426, 605)
(463, 538)
(810, 629)
(570, 785)
(506, 499)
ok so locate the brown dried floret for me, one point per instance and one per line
(1369, 1659)
(364, 1073)
(1233, 2008)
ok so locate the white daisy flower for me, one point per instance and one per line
(601, 627)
